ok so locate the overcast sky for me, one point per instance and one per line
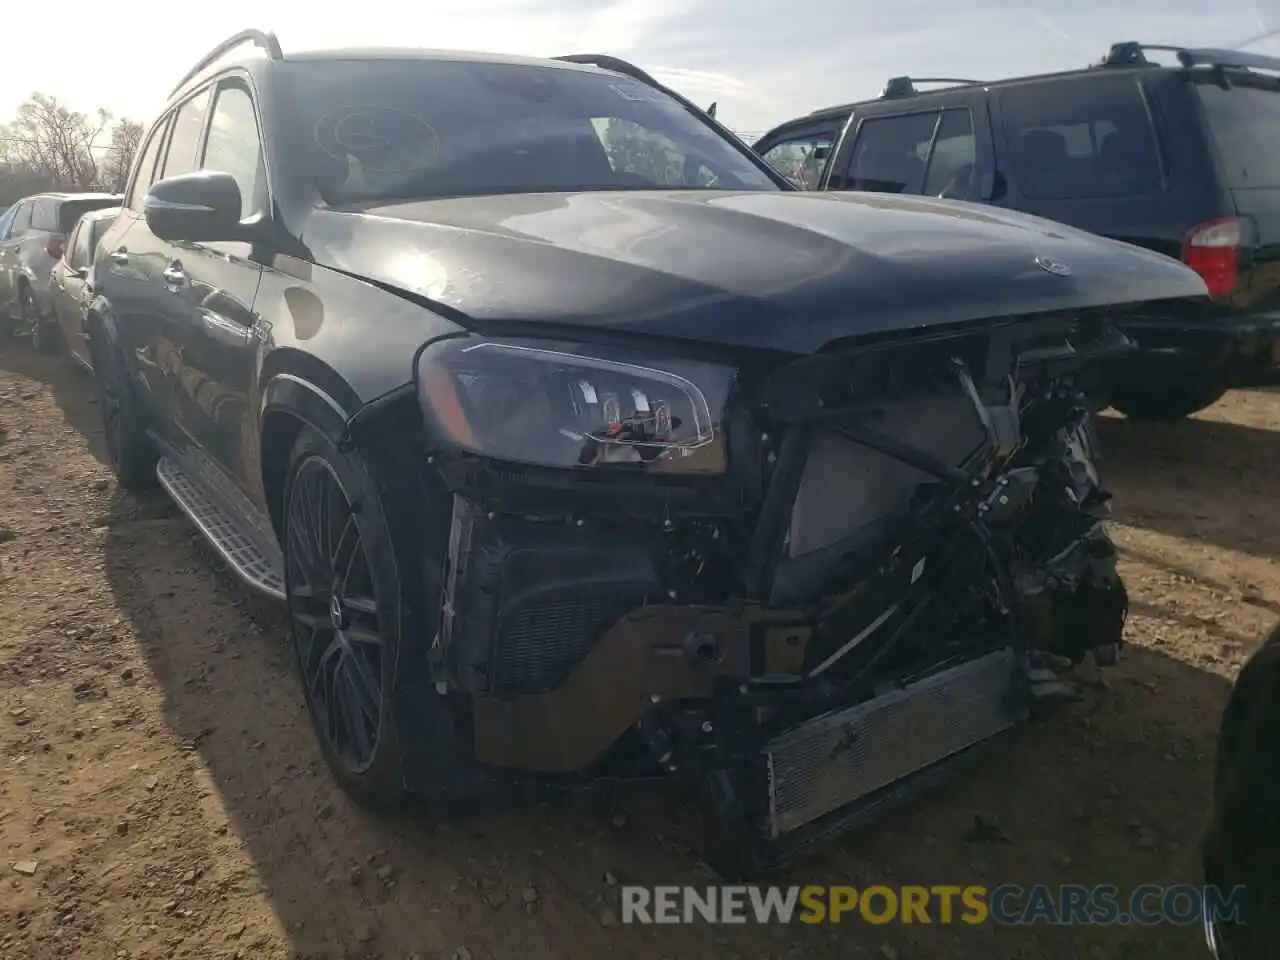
(763, 60)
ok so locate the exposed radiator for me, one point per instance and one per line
(837, 758)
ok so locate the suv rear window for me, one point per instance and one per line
(1245, 123)
(44, 216)
(1089, 137)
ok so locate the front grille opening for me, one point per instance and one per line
(541, 641)
(848, 490)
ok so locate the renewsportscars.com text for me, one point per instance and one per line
(1007, 904)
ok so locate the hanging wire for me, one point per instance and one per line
(1255, 39)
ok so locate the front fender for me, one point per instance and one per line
(312, 404)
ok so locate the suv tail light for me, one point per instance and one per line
(1212, 249)
(53, 247)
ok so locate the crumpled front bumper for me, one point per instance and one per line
(844, 651)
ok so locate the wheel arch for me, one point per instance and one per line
(299, 390)
(98, 323)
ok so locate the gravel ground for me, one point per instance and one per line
(161, 795)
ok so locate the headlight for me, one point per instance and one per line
(559, 405)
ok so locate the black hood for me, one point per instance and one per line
(787, 271)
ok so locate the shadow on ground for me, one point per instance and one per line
(1112, 789)
(1197, 479)
(72, 389)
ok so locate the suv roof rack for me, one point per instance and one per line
(605, 62)
(1131, 53)
(906, 86)
(259, 38)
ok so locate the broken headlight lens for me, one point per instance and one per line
(562, 405)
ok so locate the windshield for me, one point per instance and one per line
(391, 130)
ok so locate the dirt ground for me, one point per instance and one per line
(158, 769)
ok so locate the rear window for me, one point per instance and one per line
(1081, 140)
(1244, 121)
(73, 210)
(44, 215)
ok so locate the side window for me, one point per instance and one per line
(1093, 140)
(96, 230)
(889, 153)
(6, 219)
(80, 248)
(801, 159)
(950, 170)
(21, 219)
(44, 215)
(234, 146)
(69, 250)
(145, 174)
(184, 141)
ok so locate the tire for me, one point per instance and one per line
(351, 618)
(1245, 825)
(43, 338)
(129, 450)
(1173, 403)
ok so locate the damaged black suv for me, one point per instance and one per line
(577, 440)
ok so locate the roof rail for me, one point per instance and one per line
(616, 64)
(906, 86)
(1131, 53)
(264, 39)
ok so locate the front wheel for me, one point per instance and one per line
(350, 619)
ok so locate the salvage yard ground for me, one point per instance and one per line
(158, 776)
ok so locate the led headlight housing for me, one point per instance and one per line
(573, 407)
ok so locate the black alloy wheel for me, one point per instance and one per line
(334, 608)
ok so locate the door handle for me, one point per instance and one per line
(174, 276)
(120, 256)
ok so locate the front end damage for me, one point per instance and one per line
(847, 587)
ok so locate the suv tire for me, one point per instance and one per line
(129, 450)
(1172, 403)
(352, 619)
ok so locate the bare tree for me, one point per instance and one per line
(126, 136)
(52, 143)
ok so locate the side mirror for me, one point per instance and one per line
(196, 207)
(82, 273)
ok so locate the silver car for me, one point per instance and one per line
(70, 288)
(32, 237)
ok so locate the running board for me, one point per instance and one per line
(220, 528)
